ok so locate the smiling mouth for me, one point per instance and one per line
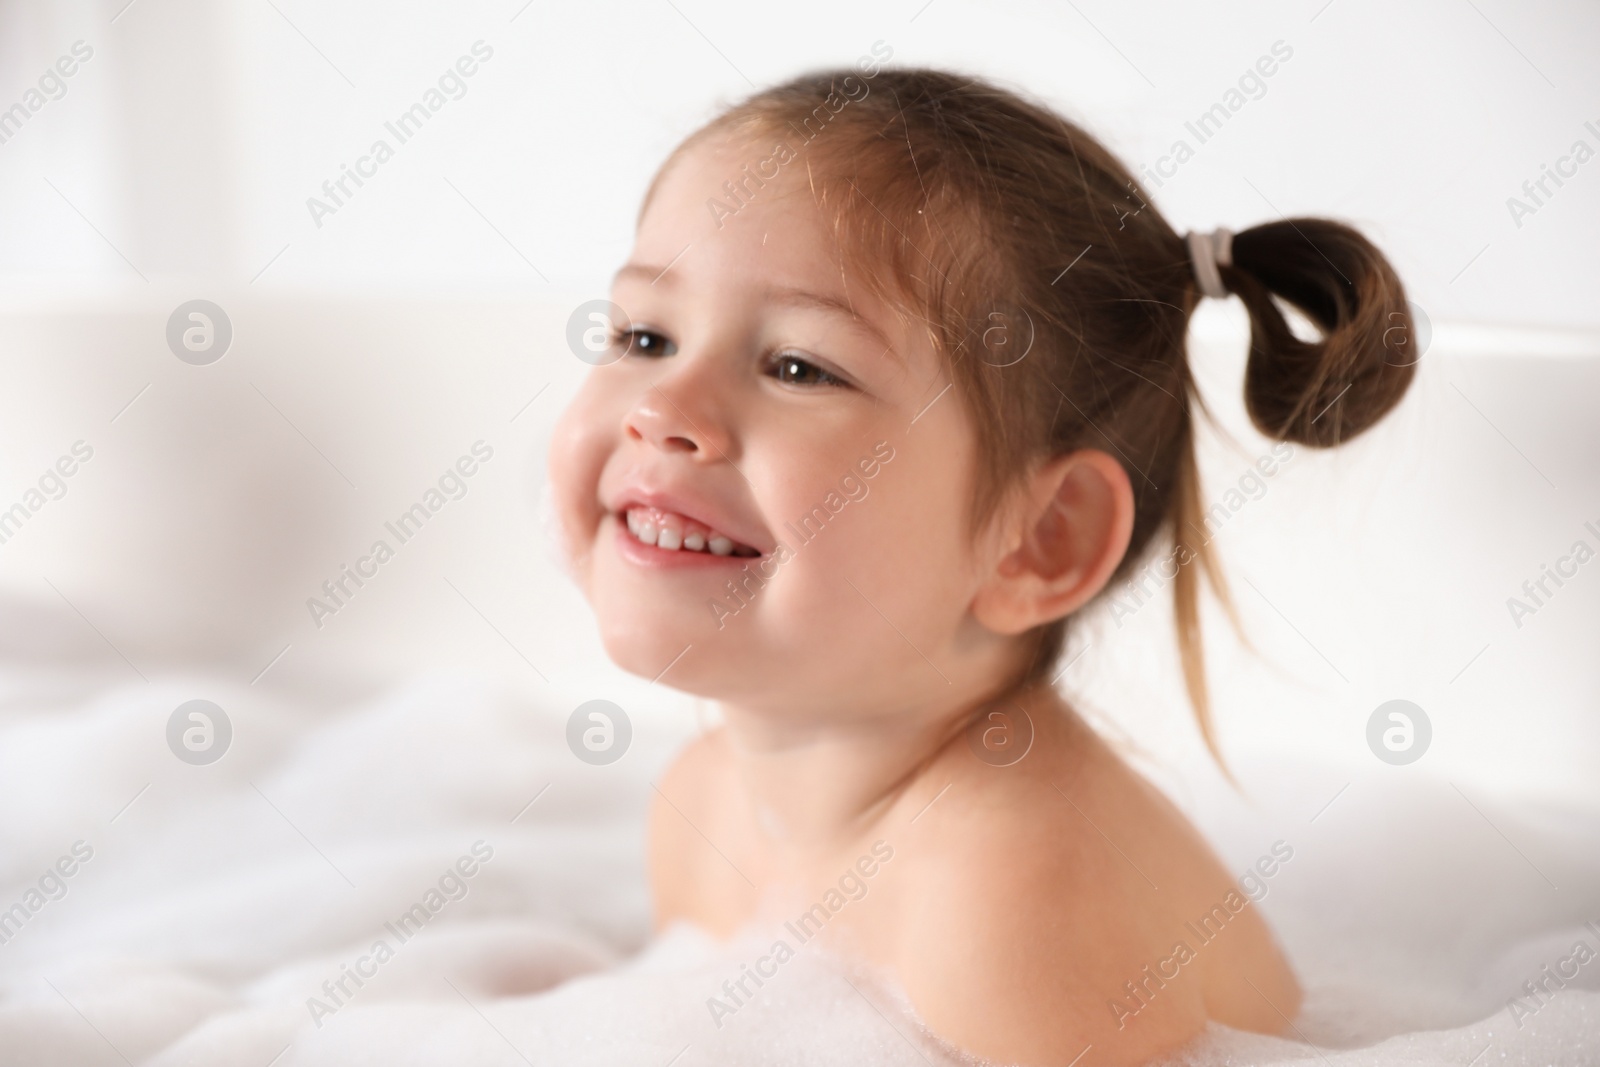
(671, 532)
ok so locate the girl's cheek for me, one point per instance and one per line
(578, 452)
(564, 447)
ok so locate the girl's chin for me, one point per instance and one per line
(647, 650)
(705, 663)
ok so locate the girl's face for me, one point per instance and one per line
(765, 497)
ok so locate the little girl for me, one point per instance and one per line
(899, 385)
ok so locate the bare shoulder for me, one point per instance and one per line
(1039, 909)
(687, 805)
(692, 776)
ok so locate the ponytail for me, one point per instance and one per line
(1321, 392)
(1317, 393)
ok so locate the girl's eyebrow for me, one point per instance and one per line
(650, 273)
(832, 305)
(802, 298)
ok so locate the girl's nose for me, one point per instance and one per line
(673, 422)
(654, 420)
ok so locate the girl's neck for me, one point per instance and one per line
(819, 786)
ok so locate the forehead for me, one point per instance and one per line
(735, 208)
(739, 217)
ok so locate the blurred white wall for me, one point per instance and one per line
(193, 137)
(371, 351)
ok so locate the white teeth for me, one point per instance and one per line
(673, 532)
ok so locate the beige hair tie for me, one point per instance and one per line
(1208, 251)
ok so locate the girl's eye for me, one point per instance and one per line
(792, 370)
(638, 341)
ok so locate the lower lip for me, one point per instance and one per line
(636, 551)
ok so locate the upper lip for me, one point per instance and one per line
(640, 494)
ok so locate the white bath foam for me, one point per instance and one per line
(206, 921)
(813, 1009)
(1566, 1034)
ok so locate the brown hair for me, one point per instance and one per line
(968, 207)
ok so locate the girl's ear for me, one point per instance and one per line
(1074, 521)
